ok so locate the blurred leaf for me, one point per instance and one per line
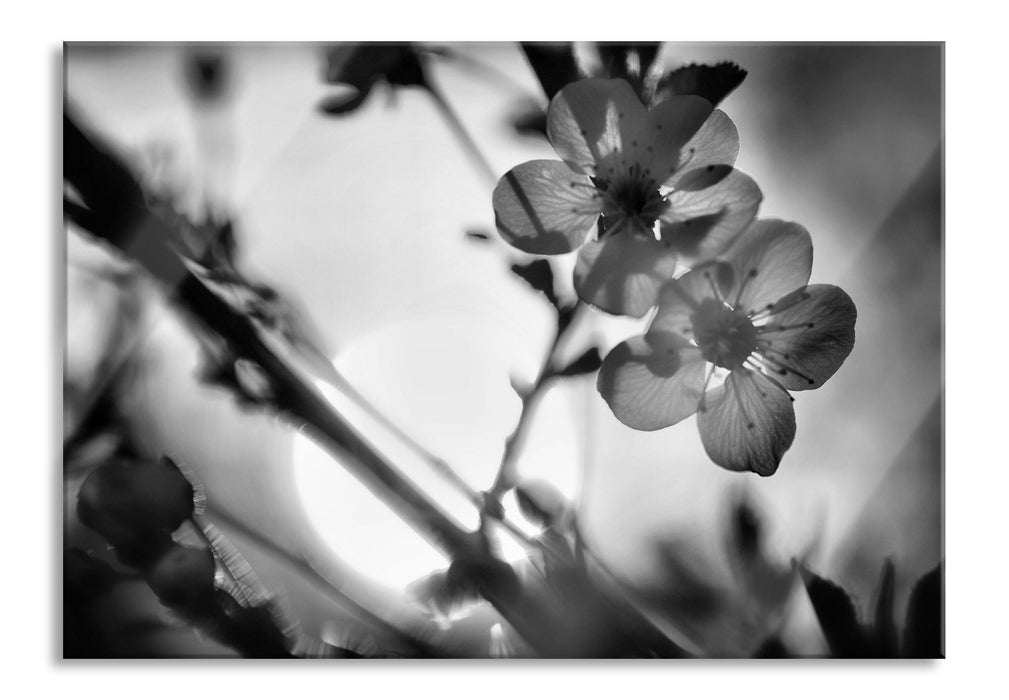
(837, 616)
(478, 236)
(616, 56)
(445, 598)
(772, 648)
(588, 362)
(539, 275)
(540, 502)
(86, 577)
(530, 119)
(361, 66)
(745, 531)
(554, 64)
(923, 637)
(207, 75)
(713, 83)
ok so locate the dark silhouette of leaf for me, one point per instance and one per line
(207, 75)
(745, 530)
(553, 63)
(923, 633)
(772, 648)
(837, 616)
(713, 83)
(539, 275)
(478, 236)
(588, 362)
(530, 120)
(360, 66)
(86, 577)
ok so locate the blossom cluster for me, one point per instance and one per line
(659, 217)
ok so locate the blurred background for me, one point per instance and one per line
(361, 218)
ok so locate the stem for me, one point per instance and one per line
(507, 475)
(459, 129)
(436, 463)
(123, 220)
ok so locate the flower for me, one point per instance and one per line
(627, 169)
(753, 314)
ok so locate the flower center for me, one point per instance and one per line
(725, 336)
(632, 201)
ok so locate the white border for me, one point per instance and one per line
(975, 255)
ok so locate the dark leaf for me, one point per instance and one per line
(361, 66)
(539, 275)
(207, 75)
(772, 648)
(589, 361)
(745, 530)
(923, 633)
(554, 64)
(530, 120)
(713, 83)
(478, 236)
(86, 577)
(837, 616)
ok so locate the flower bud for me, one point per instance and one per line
(122, 499)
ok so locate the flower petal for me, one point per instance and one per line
(543, 207)
(770, 259)
(622, 274)
(749, 426)
(679, 298)
(652, 382)
(700, 224)
(589, 121)
(808, 336)
(715, 143)
(659, 147)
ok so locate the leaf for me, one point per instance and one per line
(713, 83)
(837, 616)
(478, 236)
(923, 632)
(745, 531)
(614, 57)
(207, 75)
(554, 64)
(588, 362)
(530, 119)
(360, 66)
(539, 275)
(86, 577)
(540, 502)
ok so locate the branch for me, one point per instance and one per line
(122, 219)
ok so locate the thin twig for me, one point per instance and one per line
(438, 464)
(507, 474)
(461, 133)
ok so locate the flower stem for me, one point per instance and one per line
(459, 129)
(507, 475)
